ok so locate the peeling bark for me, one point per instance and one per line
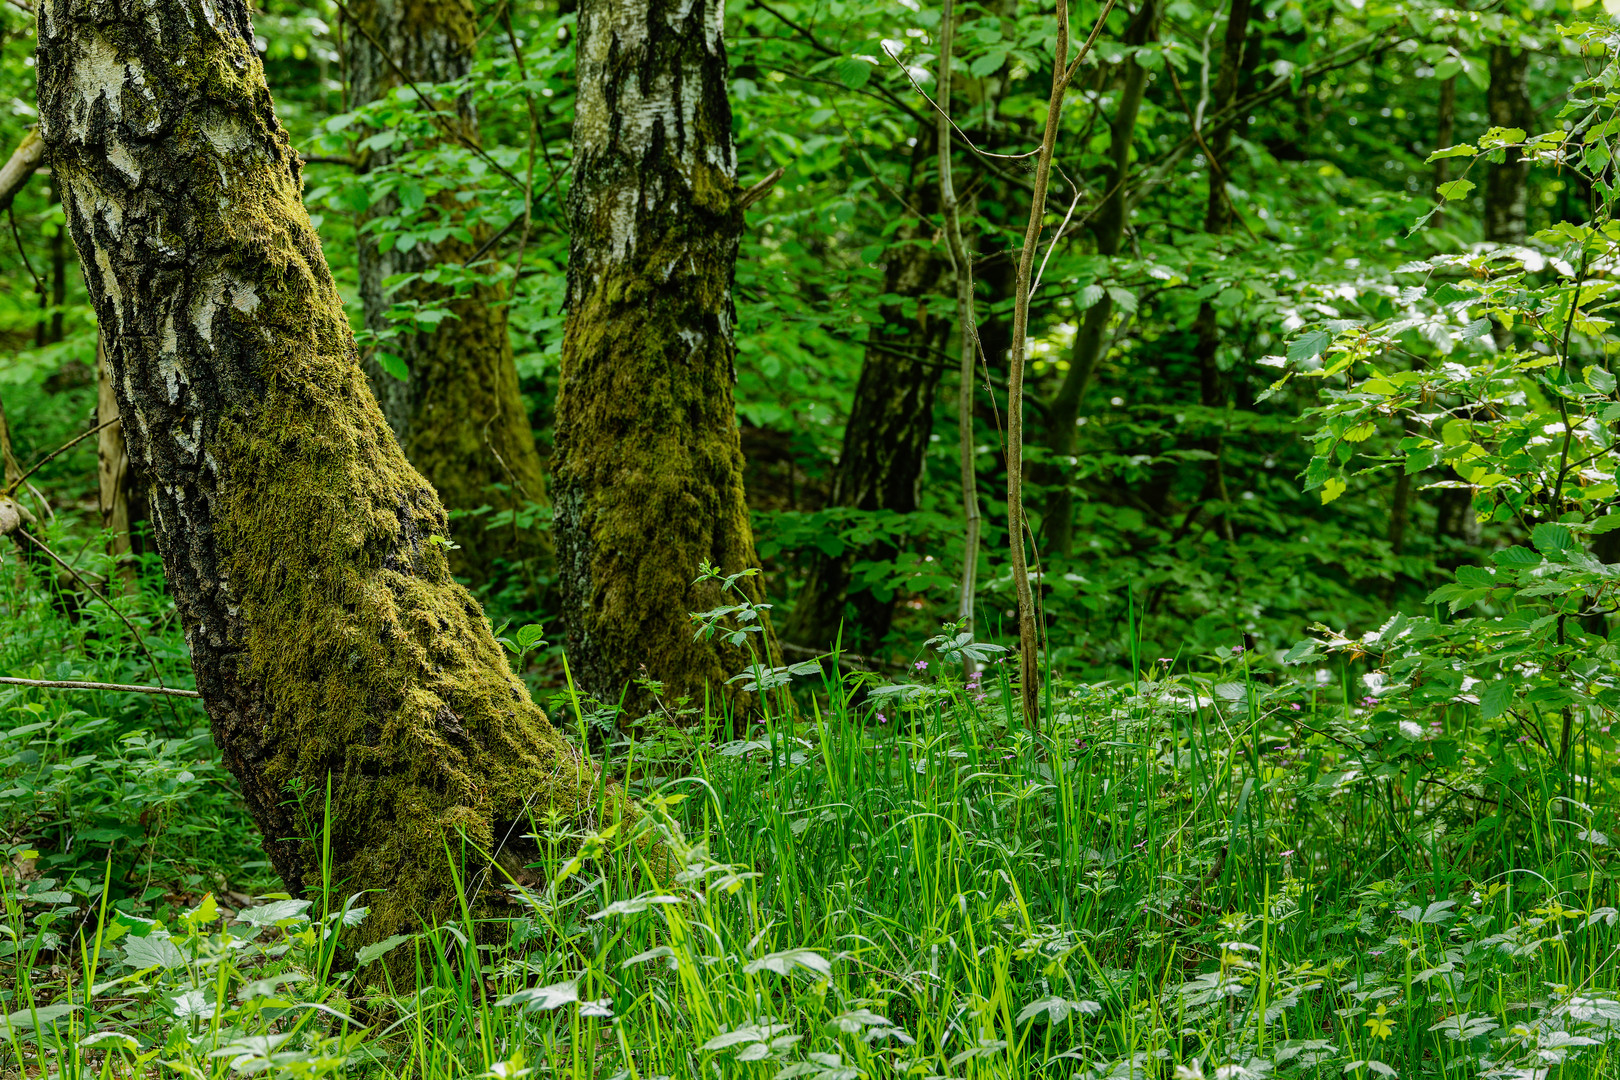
(460, 415)
(340, 663)
(648, 464)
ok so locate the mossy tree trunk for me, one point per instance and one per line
(647, 473)
(886, 437)
(330, 643)
(459, 415)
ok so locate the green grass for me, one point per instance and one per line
(1219, 875)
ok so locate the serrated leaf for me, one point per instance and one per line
(274, 912)
(543, 998)
(1495, 698)
(853, 73)
(379, 949)
(153, 951)
(1516, 556)
(1552, 540)
(785, 961)
(1309, 346)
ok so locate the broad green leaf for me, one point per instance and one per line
(1460, 150)
(854, 73)
(1552, 540)
(1309, 346)
(785, 961)
(1455, 189)
(1495, 698)
(379, 949)
(988, 64)
(543, 998)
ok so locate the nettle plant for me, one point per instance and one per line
(1498, 372)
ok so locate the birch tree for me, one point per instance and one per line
(355, 690)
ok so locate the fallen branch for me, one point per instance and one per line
(75, 684)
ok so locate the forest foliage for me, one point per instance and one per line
(1319, 420)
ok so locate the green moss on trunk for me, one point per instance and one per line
(648, 466)
(330, 643)
(460, 416)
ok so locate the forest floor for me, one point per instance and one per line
(1225, 872)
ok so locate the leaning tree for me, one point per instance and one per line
(354, 688)
(647, 474)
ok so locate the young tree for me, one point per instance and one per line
(354, 688)
(458, 413)
(648, 467)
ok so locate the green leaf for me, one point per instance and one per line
(1495, 698)
(543, 998)
(1455, 189)
(25, 1020)
(392, 364)
(1516, 556)
(988, 64)
(273, 913)
(1460, 150)
(1089, 296)
(854, 73)
(1332, 488)
(1308, 346)
(1124, 298)
(786, 961)
(153, 951)
(379, 949)
(1552, 540)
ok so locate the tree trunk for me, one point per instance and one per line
(459, 415)
(891, 418)
(1108, 227)
(1508, 103)
(648, 467)
(341, 665)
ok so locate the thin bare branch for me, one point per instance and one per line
(76, 684)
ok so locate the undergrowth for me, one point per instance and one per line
(1226, 873)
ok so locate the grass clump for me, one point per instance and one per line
(1235, 872)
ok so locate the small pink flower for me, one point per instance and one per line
(882, 719)
(1288, 853)
(922, 665)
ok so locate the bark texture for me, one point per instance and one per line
(648, 465)
(460, 415)
(891, 418)
(1508, 102)
(330, 643)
